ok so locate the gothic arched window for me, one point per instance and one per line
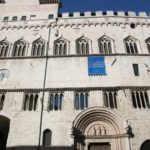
(38, 47)
(30, 102)
(105, 45)
(131, 45)
(4, 48)
(61, 46)
(55, 101)
(82, 46)
(47, 138)
(148, 44)
(19, 48)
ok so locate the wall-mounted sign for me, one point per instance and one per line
(96, 65)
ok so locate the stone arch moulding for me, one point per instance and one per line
(99, 125)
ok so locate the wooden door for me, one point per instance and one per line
(99, 146)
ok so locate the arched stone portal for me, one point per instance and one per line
(146, 145)
(101, 128)
(4, 129)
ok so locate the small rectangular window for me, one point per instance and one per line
(2, 1)
(51, 16)
(23, 18)
(136, 69)
(132, 25)
(5, 19)
(14, 18)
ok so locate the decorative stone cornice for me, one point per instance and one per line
(73, 55)
(77, 89)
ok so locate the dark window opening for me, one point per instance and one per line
(93, 14)
(47, 137)
(51, 16)
(56, 101)
(126, 14)
(70, 15)
(30, 102)
(59, 15)
(14, 18)
(81, 14)
(136, 69)
(2, 99)
(81, 101)
(140, 99)
(132, 26)
(110, 99)
(2, 1)
(23, 18)
(104, 13)
(6, 19)
(115, 13)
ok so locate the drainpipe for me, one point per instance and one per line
(44, 83)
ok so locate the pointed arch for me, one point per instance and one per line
(83, 46)
(4, 48)
(105, 45)
(61, 46)
(20, 48)
(38, 47)
(131, 45)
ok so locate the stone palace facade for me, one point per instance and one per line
(77, 81)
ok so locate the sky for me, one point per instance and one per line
(104, 5)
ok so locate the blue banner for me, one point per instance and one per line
(96, 65)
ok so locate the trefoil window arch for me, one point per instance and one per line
(83, 46)
(4, 48)
(131, 45)
(105, 45)
(30, 102)
(61, 46)
(81, 100)
(39, 47)
(55, 101)
(19, 49)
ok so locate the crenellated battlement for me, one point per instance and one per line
(105, 13)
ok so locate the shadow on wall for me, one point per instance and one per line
(41, 148)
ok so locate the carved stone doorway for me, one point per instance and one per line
(99, 146)
(98, 128)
